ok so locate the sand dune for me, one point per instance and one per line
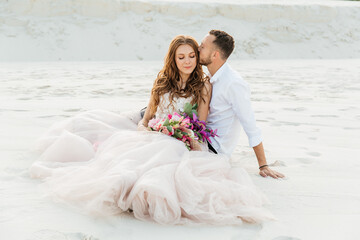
(141, 30)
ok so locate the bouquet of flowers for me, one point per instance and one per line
(184, 126)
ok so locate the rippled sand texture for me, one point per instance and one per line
(308, 110)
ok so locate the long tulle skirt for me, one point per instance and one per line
(100, 163)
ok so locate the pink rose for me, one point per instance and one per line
(186, 120)
(153, 122)
(175, 116)
(165, 131)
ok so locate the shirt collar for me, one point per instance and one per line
(219, 72)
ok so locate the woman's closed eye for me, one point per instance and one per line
(181, 58)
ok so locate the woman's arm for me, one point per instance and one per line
(142, 125)
(203, 108)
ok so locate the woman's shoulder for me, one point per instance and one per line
(207, 88)
(207, 84)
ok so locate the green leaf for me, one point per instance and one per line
(166, 123)
(188, 109)
(195, 106)
(177, 134)
(199, 135)
(169, 128)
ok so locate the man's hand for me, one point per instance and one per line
(266, 171)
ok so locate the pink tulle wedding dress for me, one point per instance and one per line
(98, 161)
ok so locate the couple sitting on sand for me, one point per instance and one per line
(106, 164)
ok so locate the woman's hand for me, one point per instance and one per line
(195, 145)
(141, 126)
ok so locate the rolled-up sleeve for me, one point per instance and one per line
(239, 95)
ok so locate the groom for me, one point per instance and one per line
(230, 105)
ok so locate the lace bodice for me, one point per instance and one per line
(165, 108)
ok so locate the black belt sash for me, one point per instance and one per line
(212, 148)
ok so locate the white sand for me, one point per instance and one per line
(97, 30)
(308, 111)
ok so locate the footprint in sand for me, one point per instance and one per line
(44, 87)
(314, 154)
(298, 109)
(286, 238)
(305, 160)
(325, 116)
(73, 110)
(56, 235)
(277, 163)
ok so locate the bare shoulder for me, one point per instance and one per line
(207, 86)
(207, 89)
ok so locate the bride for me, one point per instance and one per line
(105, 164)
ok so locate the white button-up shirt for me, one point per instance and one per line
(230, 108)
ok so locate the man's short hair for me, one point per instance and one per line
(224, 42)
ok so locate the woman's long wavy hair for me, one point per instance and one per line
(168, 78)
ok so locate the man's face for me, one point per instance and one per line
(206, 49)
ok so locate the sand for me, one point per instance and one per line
(307, 109)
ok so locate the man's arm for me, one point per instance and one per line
(265, 171)
(239, 96)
